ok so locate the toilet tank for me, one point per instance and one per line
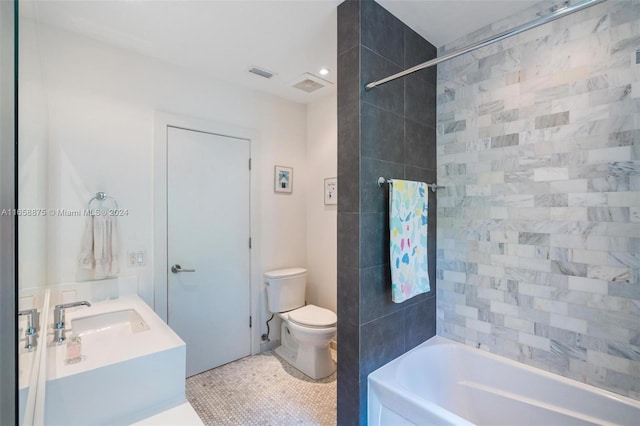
(285, 289)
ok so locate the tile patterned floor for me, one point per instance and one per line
(262, 390)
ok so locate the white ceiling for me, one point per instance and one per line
(443, 21)
(223, 39)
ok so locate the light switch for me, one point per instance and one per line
(331, 190)
(136, 257)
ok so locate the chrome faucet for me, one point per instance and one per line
(30, 333)
(58, 319)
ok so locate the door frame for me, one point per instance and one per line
(161, 121)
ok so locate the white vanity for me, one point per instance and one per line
(127, 365)
(119, 363)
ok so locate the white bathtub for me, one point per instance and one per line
(442, 382)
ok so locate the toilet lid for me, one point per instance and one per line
(313, 316)
(285, 273)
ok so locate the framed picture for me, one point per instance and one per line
(331, 190)
(283, 179)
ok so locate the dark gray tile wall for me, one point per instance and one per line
(390, 132)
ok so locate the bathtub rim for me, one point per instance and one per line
(439, 340)
(385, 378)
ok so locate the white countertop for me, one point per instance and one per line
(99, 353)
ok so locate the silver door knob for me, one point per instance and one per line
(177, 268)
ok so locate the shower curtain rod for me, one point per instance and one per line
(556, 14)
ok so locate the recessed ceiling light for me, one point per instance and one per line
(324, 71)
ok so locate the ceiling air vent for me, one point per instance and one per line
(309, 83)
(261, 72)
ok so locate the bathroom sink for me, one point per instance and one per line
(116, 323)
(137, 360)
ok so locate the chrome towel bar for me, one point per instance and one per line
(432, 186)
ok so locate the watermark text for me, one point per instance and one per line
(64, 212)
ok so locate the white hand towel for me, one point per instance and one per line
(114, 267)
(100, 247)
(99, 250)
(87, 260)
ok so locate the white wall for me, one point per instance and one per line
(322, 159)
(101, 101)
(87, 120)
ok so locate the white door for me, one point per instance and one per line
(208, 236)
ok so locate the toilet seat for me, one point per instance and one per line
(313, 317)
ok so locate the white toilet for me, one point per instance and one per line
(306, 330)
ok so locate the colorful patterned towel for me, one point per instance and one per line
(408, 207)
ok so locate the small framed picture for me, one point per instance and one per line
(283, 179)
(331, 190)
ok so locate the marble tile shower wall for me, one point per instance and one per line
(539, 225)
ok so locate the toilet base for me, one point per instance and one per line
(315, 362)
(286, 354)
